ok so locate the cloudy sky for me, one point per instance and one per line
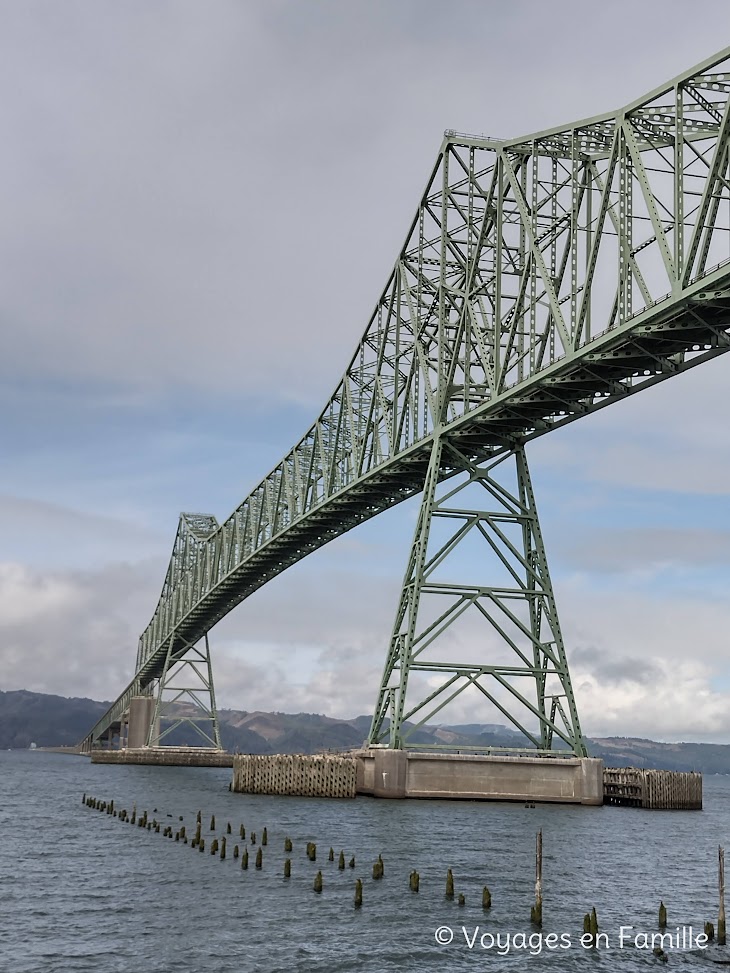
(200, 205)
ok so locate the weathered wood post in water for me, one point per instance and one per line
(662, 915)
(721, 940)
(593, 926)
(536, 910)
(449, 884)
(358, 893)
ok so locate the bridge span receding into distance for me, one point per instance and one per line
(541, 279)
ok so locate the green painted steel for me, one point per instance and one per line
(541, 279)
(493, 503)
(186, 696)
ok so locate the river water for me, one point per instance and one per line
(82, 891)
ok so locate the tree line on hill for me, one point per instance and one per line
(55, 721)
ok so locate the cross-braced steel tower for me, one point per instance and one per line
(518, 661)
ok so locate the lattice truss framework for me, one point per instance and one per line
(517, 662)
(542, 278)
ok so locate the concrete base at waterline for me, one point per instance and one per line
(444, 776)
(164, 757)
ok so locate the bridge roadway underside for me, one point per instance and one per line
(662, 341)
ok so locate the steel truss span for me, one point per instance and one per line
(542, 278)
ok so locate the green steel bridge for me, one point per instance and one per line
(542, 278)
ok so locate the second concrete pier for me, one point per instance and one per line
(401, 773)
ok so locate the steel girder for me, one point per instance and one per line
(541, 279)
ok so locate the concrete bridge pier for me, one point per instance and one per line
(141, 714)
(399, 774)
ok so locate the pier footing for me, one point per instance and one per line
(165, 757)
(445, 776)
(398, 774)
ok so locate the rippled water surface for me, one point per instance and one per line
(82, 891)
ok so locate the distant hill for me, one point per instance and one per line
(49, 721)
(54, 721)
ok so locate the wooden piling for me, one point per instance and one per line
(318, 882)
(662, 789)
(223, 848)
(244, 859)
(536, 910)
(662, 915)
(264, 837)
(593, 926)
(341, 861)
(721, 937)
(287, 844)
(212, 822)
(449, 884)
(287, 868)
(486, 898)
(259, 859)
(358, 893)
(314, 775)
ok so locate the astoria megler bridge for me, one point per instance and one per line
(542, 278)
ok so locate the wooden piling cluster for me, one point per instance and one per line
(305, 775)
(450, 892)
(653, 789)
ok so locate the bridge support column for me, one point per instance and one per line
(186, 696)
(139, 721)
(495, 602)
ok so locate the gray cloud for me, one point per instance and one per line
(52, 535)
(213, 197)
(612, 670)
(629, 550)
